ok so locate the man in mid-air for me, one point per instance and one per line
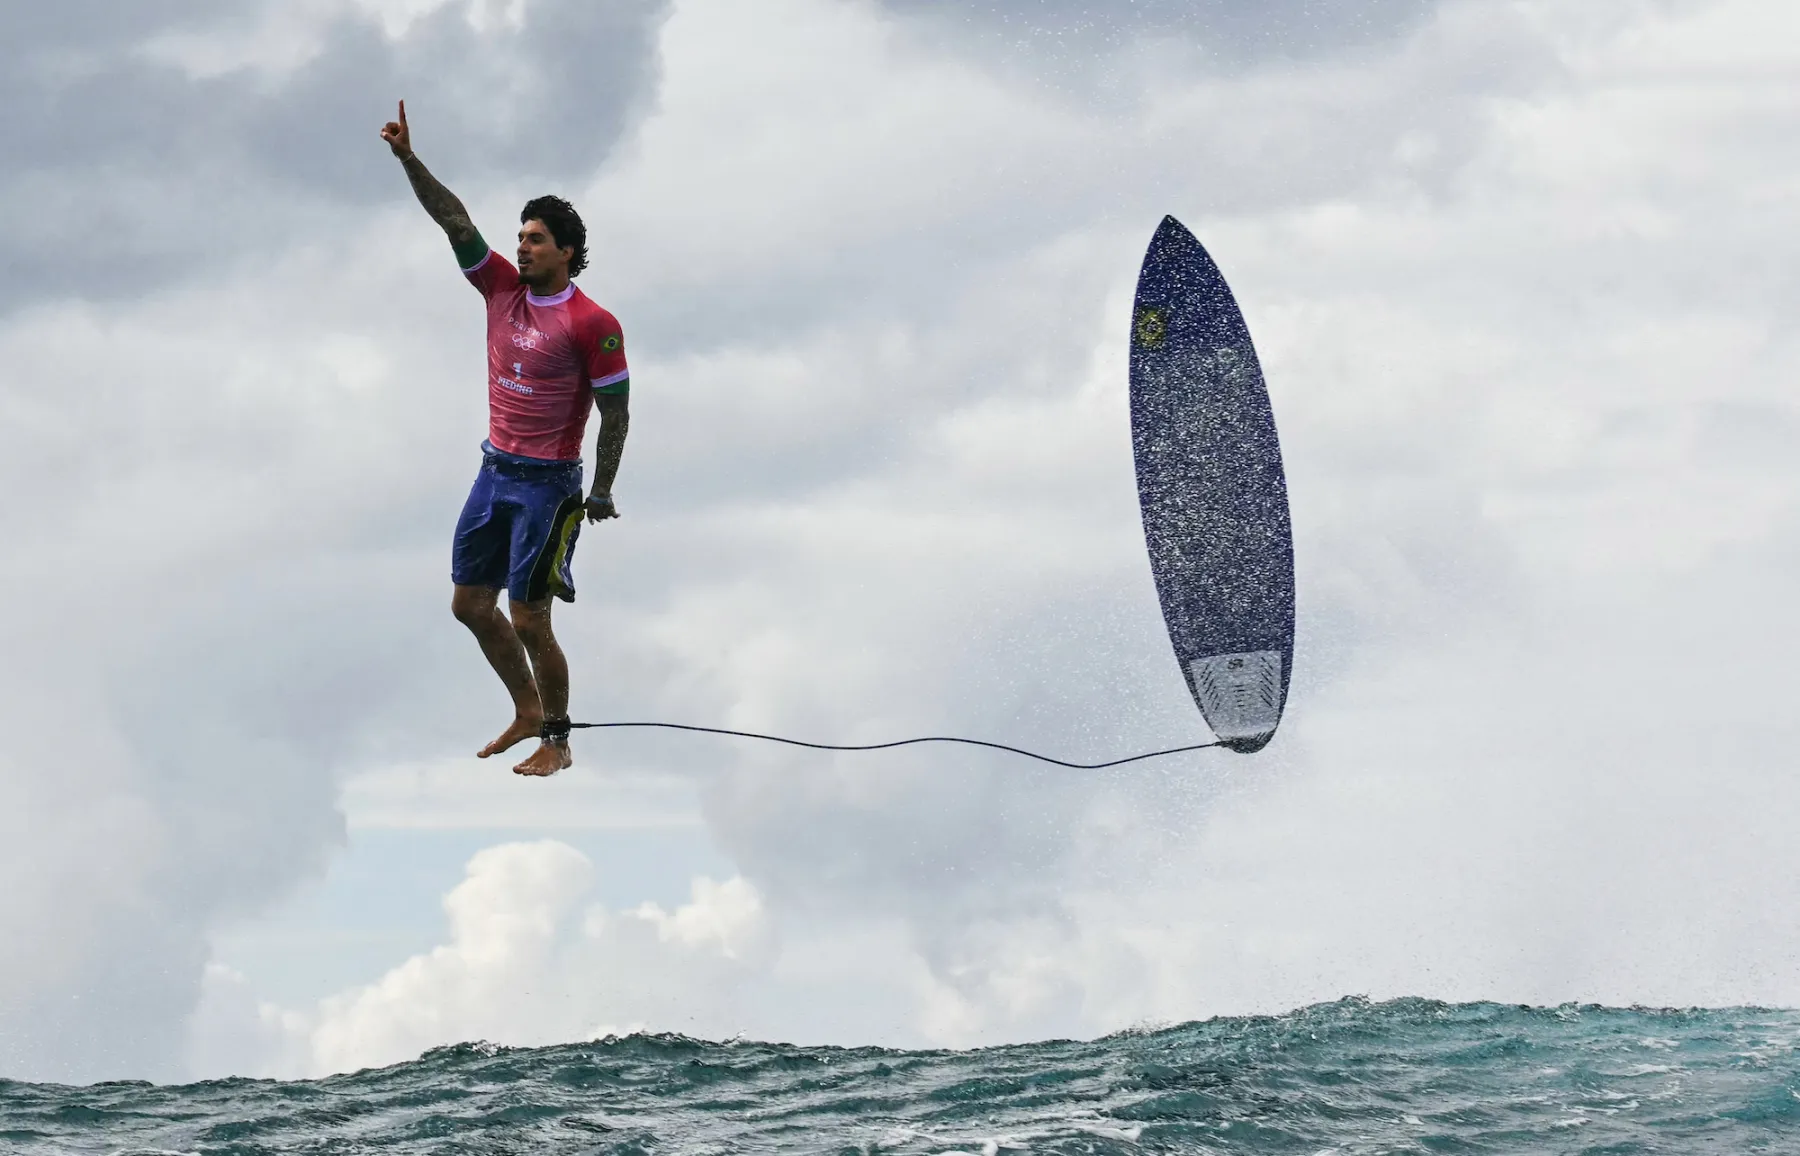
(550, 349)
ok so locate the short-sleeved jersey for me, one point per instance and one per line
(546, 357)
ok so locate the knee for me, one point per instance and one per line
(471, 607)
(532, 623)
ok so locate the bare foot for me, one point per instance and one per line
(548, 759)
(524, 726)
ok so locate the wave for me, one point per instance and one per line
(1403, 1076)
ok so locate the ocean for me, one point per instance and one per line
(1352, 1077)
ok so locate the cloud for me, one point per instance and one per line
(1519, 276)
(233, 1032)
(529, 961)
(1071, 42)
(197, 575)
(1476, 278)
(727, 917)
(192, 142)
(504, 919)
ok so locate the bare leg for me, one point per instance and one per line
(478, 608)
(531, 622)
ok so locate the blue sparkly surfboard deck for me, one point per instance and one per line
(1212, 490)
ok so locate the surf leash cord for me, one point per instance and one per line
(562, 733)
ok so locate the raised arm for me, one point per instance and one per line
(440, 202)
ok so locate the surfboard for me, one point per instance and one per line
(1212, 491)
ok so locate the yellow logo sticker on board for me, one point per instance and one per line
(1150, 328)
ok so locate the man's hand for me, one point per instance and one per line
(440, 202)
(397, 135)
(600, 507)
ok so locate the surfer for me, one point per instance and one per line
(550, 349)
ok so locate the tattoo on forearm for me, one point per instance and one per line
(440, 202)
(610, 448)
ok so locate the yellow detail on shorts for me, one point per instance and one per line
(566, 530)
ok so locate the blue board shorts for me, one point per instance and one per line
(519, 526)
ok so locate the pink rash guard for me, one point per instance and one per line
(546, 357)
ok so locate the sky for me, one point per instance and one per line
(1520, 273)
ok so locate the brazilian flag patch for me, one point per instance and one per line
(610, 343)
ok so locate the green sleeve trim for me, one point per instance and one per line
(470, 252)
(616, 389)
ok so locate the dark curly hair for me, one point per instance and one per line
(565, 226)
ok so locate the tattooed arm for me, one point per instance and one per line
(615, 423)
(440, 202)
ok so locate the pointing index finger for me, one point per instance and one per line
(403, 114)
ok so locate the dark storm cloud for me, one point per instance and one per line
(119, 150)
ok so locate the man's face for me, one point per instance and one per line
(541, 263)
